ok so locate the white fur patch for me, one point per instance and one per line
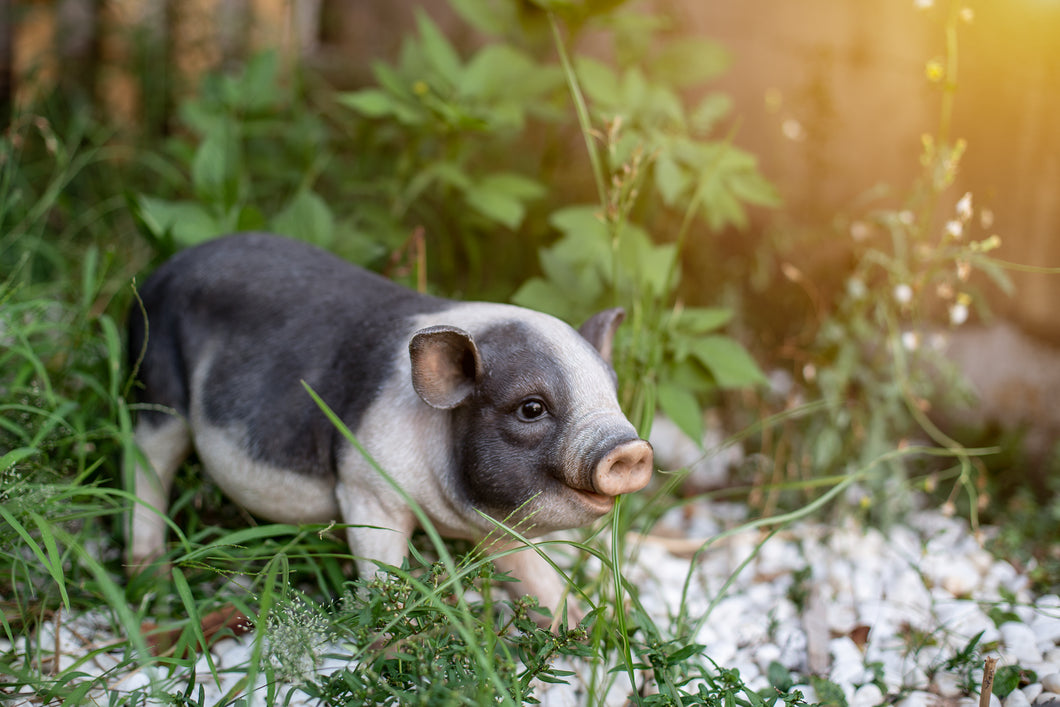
(279, 495)
(275, 494)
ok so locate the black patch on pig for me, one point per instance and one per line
(502, 461)
(273, 312)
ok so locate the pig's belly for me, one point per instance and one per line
(275, 494)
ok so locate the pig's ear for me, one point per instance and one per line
(445, 365)
(600, 330)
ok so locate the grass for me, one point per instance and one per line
(66, 426)
(65, 429)
(68, 252)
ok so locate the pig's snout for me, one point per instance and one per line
(625, 469)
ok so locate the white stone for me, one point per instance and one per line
(1047, 628)
(809, 694)
(956, 574)
(918, 698)
(842, 618)
(1048, 601)
(867, 696)
(720, 651)
(746, 666)
(1051, 682)
(1032, 691)
(232, 653)
(1047, 698)
(1016, 698)
(967, 619)
(948, 684)
(1020, 642)
(791, 639)
(766, 654)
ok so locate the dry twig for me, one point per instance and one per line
(988, 682)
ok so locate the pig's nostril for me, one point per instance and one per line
(625, 469)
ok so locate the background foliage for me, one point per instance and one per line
(563, 174)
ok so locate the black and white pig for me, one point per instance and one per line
(468, 406)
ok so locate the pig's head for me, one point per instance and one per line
(538, 437)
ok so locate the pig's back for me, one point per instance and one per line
(236, 324)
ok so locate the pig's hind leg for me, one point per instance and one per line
(164, 444)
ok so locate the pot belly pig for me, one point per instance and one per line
(468, 406)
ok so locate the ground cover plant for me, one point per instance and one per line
(78, 224)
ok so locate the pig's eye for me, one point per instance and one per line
(531, 409)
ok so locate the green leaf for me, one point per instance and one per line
(635, 90)
(215, 169)
(448, 173)
(579, 221)
(1009, 677)
(681, 406)
(710, 110)
(779, 676)
(189, 223)
(683, 654)
(728, 361)
(752, 187)
(670, 179)
(437, 50)
(256, 89)
(502, 197)
(16, 455)
(369, 102)
(600, 83)
(494, 71)
(308, 218)
(487, 17)
(644, 263)
(701, 320)
(543, 296)
(828, 693)
(250, 218)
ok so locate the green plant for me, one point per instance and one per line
(257, 159)
(639, 136)
(455, 149)
(875, 358)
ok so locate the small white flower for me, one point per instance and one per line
(860, 231)
(964, 207)
(958, 314)
(856, 288)
(809, 372)
(793, 130)
(923, 4)
(906, 217)
(903, 293)
(910, 340)
(954, 229)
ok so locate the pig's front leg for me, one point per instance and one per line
(387, 541)
(539, 579)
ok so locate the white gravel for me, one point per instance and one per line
(892, 606)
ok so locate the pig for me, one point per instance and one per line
(470, 407)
